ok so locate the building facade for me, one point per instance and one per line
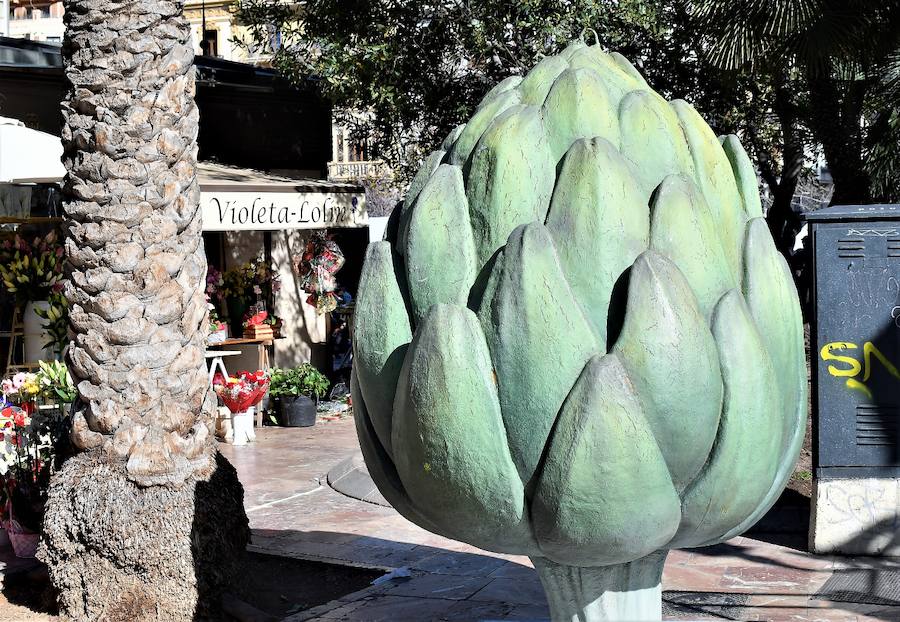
(35, 20)
(215, 29)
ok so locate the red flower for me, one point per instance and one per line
(256, 320)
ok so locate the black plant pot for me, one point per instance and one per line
(296, 412)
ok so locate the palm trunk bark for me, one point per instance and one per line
(836, 121)
(123, 517)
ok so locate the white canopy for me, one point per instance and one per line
(27, 155)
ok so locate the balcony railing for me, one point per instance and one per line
(342, 171)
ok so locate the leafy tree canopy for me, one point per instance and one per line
(418, 69)
(788, 76)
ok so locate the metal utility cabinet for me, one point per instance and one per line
(855, 354)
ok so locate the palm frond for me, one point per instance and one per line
(816, 32)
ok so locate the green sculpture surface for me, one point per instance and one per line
(578, 341)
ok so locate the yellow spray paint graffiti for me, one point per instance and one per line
(851, 367)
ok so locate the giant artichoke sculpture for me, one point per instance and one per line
(578, 341)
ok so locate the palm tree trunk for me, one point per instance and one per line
(835, 121)
(125, 533)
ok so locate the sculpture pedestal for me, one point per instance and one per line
(855, 516)
(631, 591)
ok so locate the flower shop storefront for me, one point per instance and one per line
(284, 258)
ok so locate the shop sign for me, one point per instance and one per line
(270, 211)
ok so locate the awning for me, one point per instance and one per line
(235, 199)
(28, 156)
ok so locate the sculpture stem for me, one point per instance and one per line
(621, 592)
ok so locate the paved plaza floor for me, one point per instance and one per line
(294, 512)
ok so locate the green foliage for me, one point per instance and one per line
(292, 382)
(56, 322)
(56, 383)
(418, 69)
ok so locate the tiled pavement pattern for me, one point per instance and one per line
(294, 512)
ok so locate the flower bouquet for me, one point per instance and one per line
(240, 394)
(218, 330)
(31, 270)
(21, 389)
(320, 261)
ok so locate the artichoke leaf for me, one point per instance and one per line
(604, 495)
(682, 229)
(379, 464)
(454, 463)
(477, 125)
(452, 137)
(716, 181)
(510, 178)
(672, 360)
(775, 307)
(742, 465)
(381, 335)
(508, 84)
(539, 341)
(429, 166)
(652, 138)
(440, 252)
(617, 80)
(772, 298)
(744, 175)
(600, 222)
(577, 107)
(537, 83)
(572, 48)
(625, 65)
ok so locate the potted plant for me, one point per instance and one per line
(296, 392)
(31, 271)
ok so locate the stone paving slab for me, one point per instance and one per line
(758, 578)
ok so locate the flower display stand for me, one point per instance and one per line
(241, 427)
